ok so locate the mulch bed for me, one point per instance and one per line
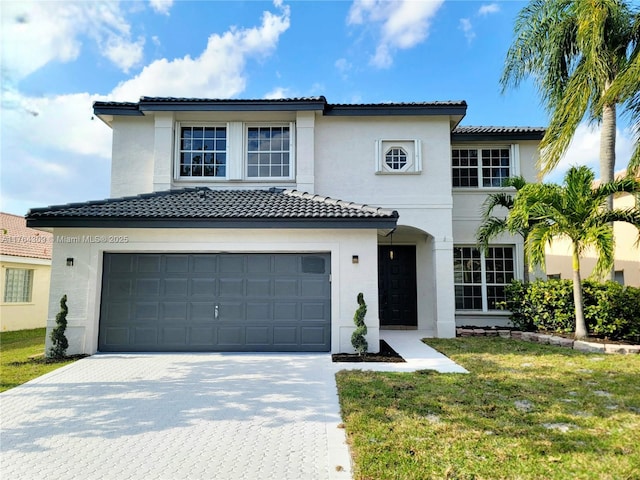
(386, 354)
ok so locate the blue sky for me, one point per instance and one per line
(58, 57)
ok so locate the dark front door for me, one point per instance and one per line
(397, 292)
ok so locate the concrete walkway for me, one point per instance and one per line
(188, 416)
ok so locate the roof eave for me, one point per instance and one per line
(496, 136)
(133, 222)
(459, 109)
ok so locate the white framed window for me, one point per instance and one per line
(202, 151)
(269, 151)
(18, 285)
(482, 167)
(479, 279)
(398, 156)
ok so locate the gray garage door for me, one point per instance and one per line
(215, 302)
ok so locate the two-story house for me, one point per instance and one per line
(252, 225)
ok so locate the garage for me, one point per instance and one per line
(215, 302)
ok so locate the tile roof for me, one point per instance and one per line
(496, 133)
(481, 130)
(17, 240)
(204, 207)
(318, 103)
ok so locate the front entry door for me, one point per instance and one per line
(397, 291)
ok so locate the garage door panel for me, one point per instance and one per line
(258, 287)
(231, 311)
(148, 286)
(285, 336)
(119, 287)
(203, 287)
(202, 311)
(173, 336)
(313, 311)
(285, 287)
(178, 287)
(230, 336)
(177, 264)
(149, 263)
(231, 287)
(215, 302)
(315, 287)
(145, 336)
(175, 311)
(232, 264)
(259, 263)
(312, 335)
(146, 311)
(204, 263)
(258, 335)
(286, 264)
(117, 336)
(259, 311)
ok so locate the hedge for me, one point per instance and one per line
(611, 310)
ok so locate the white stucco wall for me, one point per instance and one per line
(345, 168)
(132, 156)
(82, 281)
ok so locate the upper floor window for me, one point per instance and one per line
(268, 152)
(396, 158)
(480, 167)
(18, 285)
(203, 151)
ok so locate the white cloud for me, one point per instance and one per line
(217, 72)
(53, 150)
(585, 150)
(62, 123)
(123, 53)
(467, 28)
(488, 9)
(161, 6)
(278, 92)
(34, 33)
(402, 24)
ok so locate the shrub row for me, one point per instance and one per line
(611, 310)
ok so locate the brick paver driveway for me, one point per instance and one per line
(177, 416)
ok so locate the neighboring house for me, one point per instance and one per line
(25, 260)
(627, 251)
(254, 224)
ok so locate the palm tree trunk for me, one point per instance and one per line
(608, 154)
(581, 327)
(608, 146)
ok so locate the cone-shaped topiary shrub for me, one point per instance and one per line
(357, 337)
(58, 339)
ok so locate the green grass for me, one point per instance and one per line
(16, 367)
(490, 424)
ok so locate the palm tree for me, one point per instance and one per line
(574, 50)
(493, 226)
(626, 88)
(577, 211)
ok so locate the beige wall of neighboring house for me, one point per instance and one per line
(627, 252)
(25, 270)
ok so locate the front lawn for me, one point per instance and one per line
(16, 367)
(525, 411)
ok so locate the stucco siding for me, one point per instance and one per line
(82, 281)
(132, 157)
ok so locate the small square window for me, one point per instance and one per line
(18, 285)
